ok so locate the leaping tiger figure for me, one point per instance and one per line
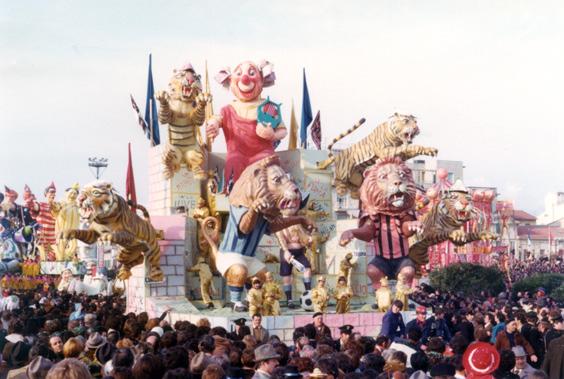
(444, 221)
(392, 138)
(112, 221)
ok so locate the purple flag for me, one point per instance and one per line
(316, 130)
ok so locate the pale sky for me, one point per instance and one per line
(485, 79)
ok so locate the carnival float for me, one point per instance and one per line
(252, 230)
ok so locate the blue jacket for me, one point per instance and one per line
(435, 327)
(390, 325)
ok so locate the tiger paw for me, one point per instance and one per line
(488, 236)
(124, 274)
(457, 236)
(430, 151)
(156, 275)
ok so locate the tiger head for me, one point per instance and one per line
(404, 128)
(456, 204)
(388, 188)
(185, 84)
(97, 200)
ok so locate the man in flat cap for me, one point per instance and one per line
(320, 328)
(346, 331)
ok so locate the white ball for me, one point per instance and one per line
(306, 302)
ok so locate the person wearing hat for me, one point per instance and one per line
(95, 340)
(255, 297)
(38, 368)
(320, 328)
(257, 330)
(480, 360)
(267, 360)
(317, 374)
(241, 330)
(419, 320)
(522, 368)
(320, 295)
(346, 331)
(292, 372)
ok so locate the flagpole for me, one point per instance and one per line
(209, 107)
(151, 121)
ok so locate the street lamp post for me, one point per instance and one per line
(98, 165)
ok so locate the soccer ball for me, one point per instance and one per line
(306, 302)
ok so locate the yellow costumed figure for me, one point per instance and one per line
(403, 290)
(272, 293)
(384, 295)
(343, 295)
(320, 296)
(67, 218)
(206, 280)
(255, 297)
(346, 266)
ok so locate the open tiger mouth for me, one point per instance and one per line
(462, 215)
(186, 91)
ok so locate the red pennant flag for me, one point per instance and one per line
(130, 181)
(316, 130)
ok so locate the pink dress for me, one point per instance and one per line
(244, 146)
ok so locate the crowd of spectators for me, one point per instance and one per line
(521, 269)
(58, 336)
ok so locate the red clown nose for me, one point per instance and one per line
(245, 79)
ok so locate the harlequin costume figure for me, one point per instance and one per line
(45, 213)
(247, 141)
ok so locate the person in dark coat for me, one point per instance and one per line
(436, 326)
(392, 323)
(553, 363)
(346, 331)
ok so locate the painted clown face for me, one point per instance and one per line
(246, 82)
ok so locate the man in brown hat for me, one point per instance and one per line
(267, 360)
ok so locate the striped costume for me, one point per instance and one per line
(46, 235)
(391, 247)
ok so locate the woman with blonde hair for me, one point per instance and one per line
(73, 348)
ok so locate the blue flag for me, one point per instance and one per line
(151, 115)
(307, 117)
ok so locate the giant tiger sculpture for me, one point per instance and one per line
(392, 138)
(183, 109)
(112, 221)
(256, 201)
(387, 219)
(445, 221)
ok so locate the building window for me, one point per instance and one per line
(341, 202)
(451, 177)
